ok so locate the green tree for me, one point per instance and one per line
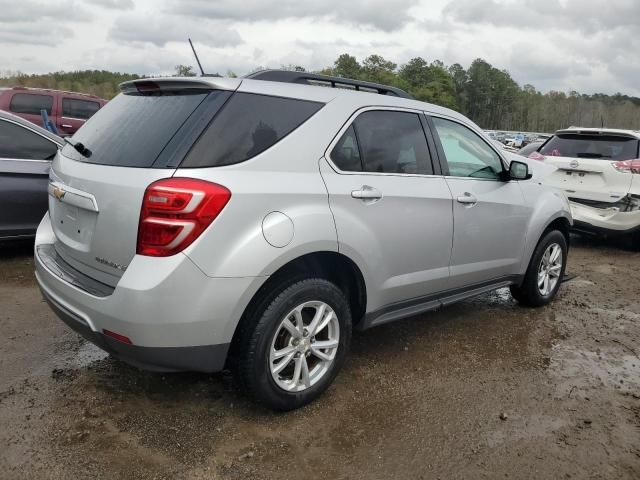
(460, 81)
(346, 66)
(376, 69)
(293, 68)
(429, 82)
(415, 72)
(184, 71)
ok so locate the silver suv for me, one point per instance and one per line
(209, 223)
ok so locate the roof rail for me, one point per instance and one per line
(306, 78)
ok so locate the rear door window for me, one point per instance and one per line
(17, 142)
(606, 147)
(247, 125)
(387, 141)
(393, 142)
(31, 103)
(82, 109)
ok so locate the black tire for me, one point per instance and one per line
(528, 293)
(634, 240)
(252, 367)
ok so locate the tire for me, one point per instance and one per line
(263, 337)
(634, 240)
(529, 293)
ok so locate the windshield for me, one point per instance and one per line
(607, 147)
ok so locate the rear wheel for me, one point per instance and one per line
(545, 272)
(295, 345)
(635, 240)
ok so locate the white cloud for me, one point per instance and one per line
(584, 45)
(115, 4)
(161, 29)
(33, 10)
(383, 14)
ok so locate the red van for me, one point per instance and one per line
(67, 110)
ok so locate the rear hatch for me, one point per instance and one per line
(586, 162)
(141, 136)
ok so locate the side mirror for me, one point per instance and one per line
(519, 171)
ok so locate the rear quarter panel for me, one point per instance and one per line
(285, 178)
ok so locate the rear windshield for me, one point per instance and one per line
(132, 129)
(606, 147)
(247, 125)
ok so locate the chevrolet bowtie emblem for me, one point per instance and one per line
(58, 193)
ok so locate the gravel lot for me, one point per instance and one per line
(483, 389)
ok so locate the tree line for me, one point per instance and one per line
(101, 83)
(490, 97)
(484, 93)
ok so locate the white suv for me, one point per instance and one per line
(199, 223)
(599, 170)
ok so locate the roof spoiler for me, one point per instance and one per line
(587, 131)
(157, 86)
(306, 78)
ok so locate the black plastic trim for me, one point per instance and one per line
(201, 358)
(433, 150)
(56, 265)
(414, 306)
(191, 130)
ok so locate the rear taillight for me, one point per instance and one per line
(175, 211)
(627, 166)
(537, 156)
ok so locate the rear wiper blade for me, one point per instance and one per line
(79, 147)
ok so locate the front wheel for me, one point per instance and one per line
(545, 272)
(297, 344)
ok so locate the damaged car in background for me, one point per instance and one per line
(599, 170)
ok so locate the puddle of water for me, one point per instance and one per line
(502, 295)
(578, 369)
(86, 355)
(604, 269)
(524, 428)
(578, 282)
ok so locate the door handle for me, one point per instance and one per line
(367, 193)
(66, 126)
(467, 199)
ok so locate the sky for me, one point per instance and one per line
(586, 45)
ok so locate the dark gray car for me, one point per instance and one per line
(26, 151)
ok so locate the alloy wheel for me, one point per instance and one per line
(550, 269)
(304, 346)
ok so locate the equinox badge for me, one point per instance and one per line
(111, 264)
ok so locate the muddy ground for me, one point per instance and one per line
(483, 389)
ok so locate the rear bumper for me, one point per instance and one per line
(608, 221)
(177, 318)
(208, 358)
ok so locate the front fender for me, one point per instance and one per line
(549, 204)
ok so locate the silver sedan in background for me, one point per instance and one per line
(26, 151)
